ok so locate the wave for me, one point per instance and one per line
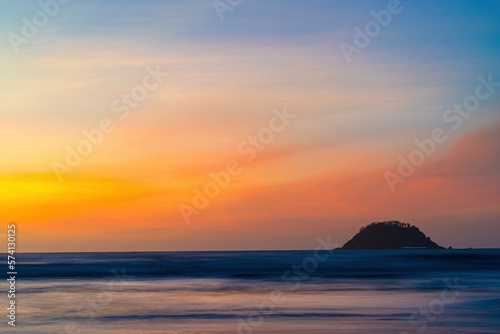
(270, 266)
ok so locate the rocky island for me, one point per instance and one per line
(390, 235)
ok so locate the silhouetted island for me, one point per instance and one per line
(390, 235)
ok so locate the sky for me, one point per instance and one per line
(220, 125)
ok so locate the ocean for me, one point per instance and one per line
(397, 291)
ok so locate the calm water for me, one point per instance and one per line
(407, 291)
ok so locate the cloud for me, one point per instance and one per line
(474, 154)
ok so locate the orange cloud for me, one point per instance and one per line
(36, 196)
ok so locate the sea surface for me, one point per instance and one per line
(307, 292)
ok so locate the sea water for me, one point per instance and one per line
(399, 291)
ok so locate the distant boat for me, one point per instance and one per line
(409, 246)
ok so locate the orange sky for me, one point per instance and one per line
(322, 172)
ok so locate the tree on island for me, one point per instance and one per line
(390, 235)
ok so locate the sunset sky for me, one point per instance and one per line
(323, 173)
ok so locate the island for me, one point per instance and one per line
(390, 235)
